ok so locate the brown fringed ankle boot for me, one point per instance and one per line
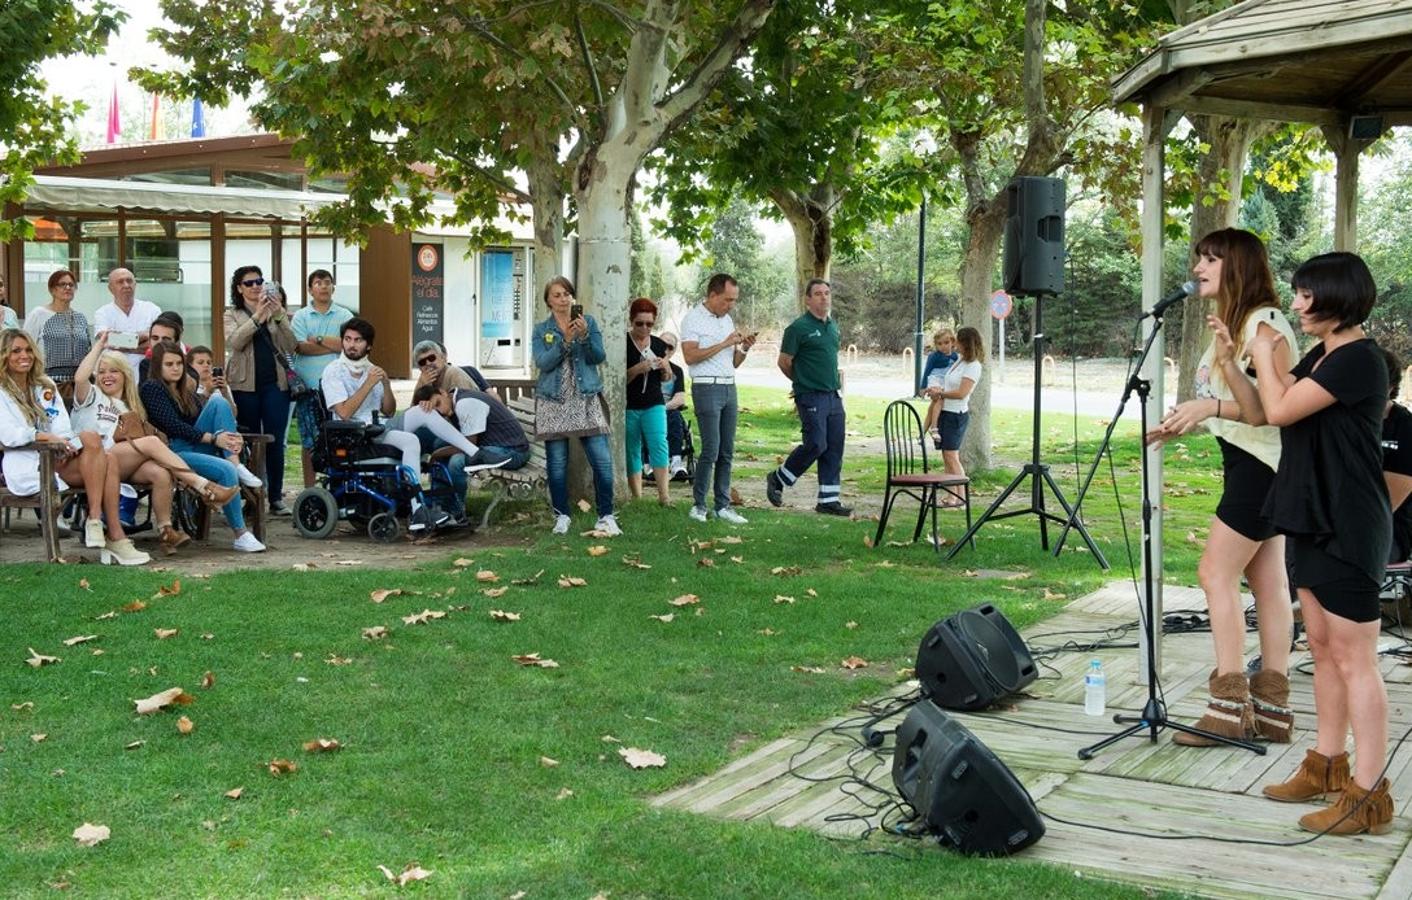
(1319, 776)
(1228, 712)
(1356, 812)
(1269, 697)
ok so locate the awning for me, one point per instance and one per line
(104, 195)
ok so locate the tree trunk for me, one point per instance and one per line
(545, 179)
(811, 219)
(1216, 205)
(987, 221)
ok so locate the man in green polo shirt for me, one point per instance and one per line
(809, 358)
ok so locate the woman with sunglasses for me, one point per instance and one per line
(62, 333)
(646, 416)
(260, 339)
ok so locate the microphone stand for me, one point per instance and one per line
(1154, 712)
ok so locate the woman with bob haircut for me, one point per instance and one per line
(1232, 269)
(1329, 497)
(646, 416)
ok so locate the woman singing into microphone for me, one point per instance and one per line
(1233, 270)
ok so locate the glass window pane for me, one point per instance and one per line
(172, 262)
(340, 258)
(174, 176)
(284, 181)
(88, 247)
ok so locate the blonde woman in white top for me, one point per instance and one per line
(1232, 269)
(31, 411)
(105, 390)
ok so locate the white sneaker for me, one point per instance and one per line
(697, 514)
(561, 525)
(608, 525)
(94, 537)
(248, 478)
(482, 467)
(729, 515)
(676, 467)
(248, 543)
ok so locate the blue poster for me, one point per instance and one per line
(497, 293)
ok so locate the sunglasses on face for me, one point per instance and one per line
(426, 361)
(65, 285)
(643, 323)
(252, 282)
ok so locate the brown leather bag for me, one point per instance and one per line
(132, 426)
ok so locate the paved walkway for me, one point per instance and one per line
(1138, 786)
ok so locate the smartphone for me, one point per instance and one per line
(123, 340)
(576, 311)
(217, 371)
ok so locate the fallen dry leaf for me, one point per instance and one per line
(462, 562)
(737, 559)
(1050, 595)
(322, 745)
(736, 499)
(280, 767)
(336, 660)
(424, 616)
(705, 562)
(811, 592)
(87, 835)
(731, 539)
(685, 600)
(786, 570)
(37, 659)
(850, 625)
(548, 762)
(597, 550)
(533, 579)
(492, 593)
(110, 614)
(584, 506)
(767, 632)
(375, 633)
(854, 662)
(185, 725)
(487, 576)
(533, 659)
(812, 670)
(609, 739)
(207, 636)
(164, 633)
(412, 872)
(135, 606)
(134, 745)
(18, 707)
(666, 618)
(571, 581)
(81, 639)
(163, 699)
(234, 793)
(782, 598)
(39, 737)
(382, 594)
(635, 562)
(501, 615)
(642, 759)
(169, 590)
(886, 564)
(349, 562)
(564, 794)
(83, 584)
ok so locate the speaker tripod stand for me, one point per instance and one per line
(1154, 712)
(1036, 472)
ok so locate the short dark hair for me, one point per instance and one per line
(425, 393)
(813, 283)
(364, 328)
(719, 282)
(199, 349)
(236, 300)
(318, 273)
(563, 282)
(1341, 285)
(172, 320)
(61, 273)
(1394, 373)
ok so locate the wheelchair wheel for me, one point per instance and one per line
(384, 528)
(315, 513)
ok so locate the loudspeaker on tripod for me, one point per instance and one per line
(959, 788)
(1034, 236)
(973, 658)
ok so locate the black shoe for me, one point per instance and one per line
(833, 509)
(774, 488)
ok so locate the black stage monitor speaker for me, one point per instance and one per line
(1034, 236)
(972, 659)
(962, 791)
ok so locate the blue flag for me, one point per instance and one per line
(198, 118)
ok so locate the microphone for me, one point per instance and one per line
(1175, 296)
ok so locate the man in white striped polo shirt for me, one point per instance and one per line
(713, 349)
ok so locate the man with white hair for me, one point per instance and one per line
(126, 315)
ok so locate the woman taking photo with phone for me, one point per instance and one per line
(568, 402)
(260, 340)
(1232, 270)
(646, 416)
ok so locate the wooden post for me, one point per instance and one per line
(1346, 151)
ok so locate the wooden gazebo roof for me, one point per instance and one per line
(1315, 61)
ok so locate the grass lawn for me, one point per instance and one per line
(443, 733)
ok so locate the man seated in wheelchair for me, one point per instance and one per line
(475, 432)
(1397, 469)
(355, 391)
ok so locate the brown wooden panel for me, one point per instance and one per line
(385, 297)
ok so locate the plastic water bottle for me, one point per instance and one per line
(1095, 689)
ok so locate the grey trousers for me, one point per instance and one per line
(716, 412)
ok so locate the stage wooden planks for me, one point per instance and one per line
(1156, 789)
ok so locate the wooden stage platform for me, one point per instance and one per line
(1135, 785)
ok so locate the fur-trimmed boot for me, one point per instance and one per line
(1356, 812)
(1319, 776)
(1228, 712)
(1269, 697)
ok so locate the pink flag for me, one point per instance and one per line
(158, 131)
(115, 126)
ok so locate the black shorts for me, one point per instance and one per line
(1341, 588)
(1247, 482)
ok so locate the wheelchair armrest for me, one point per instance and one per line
(373, 431)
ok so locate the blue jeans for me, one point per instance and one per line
(266, 411)
(600, 459)
(206, 459)
(716, 412)
(676, 433)
(456, 465)
(821, 427)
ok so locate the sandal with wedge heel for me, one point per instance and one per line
(216, 495)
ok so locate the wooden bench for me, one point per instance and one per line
(48, 500)
(526, 481)
(258, 499)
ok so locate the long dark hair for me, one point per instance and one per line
(1246, 283)
(237, 300)
(183, 393)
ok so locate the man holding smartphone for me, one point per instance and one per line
(713, 350)
(809, 359)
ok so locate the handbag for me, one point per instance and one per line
(298, 389)
(132, 426)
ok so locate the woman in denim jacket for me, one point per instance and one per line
(568, 402)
